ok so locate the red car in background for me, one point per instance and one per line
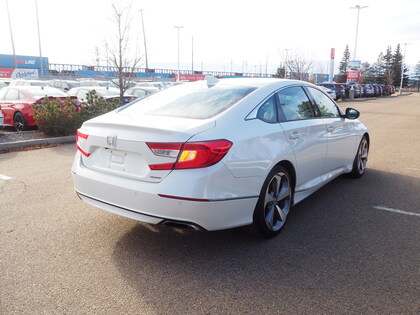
(16, 103)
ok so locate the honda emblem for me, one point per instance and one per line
(111, 141)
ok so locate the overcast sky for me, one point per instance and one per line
(227, 34)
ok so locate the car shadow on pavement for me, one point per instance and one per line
(334, 249)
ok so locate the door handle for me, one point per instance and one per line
(330, 129)
(295, 135)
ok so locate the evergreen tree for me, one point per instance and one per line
(344, 62)
(396, 65)
(378, 70)
(417, 76)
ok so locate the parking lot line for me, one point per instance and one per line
(4, 177)
(396, 211)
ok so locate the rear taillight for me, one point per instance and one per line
(190, 154)
(81, 142)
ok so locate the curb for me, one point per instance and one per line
(26, 143)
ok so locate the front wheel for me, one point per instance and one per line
(274, 203)
(360, 161)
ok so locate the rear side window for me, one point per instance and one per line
(189, 100)
(267, 111)
(295, 104)
(12, 95)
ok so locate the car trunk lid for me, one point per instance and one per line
(117, 144)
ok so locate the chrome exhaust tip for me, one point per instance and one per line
(181, 225)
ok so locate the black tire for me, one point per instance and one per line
(361, 158)
(274, 203)
(19, 122)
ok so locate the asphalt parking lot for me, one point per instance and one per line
(351, 248)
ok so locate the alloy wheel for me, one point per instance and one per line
(277, 201)
(362, 156)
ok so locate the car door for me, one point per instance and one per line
(306, 134)
(341, 133)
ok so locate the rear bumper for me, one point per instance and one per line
(140, 200)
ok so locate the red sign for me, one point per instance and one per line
(353, 75)
(190, 77)
(332, 53)
(6, 72)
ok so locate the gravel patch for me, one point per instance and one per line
(10, 136)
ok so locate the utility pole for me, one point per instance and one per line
(179, 73)
(144, 38)
(39, 39)
(358, 7)
(11, 34)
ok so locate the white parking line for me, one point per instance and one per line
(396, 211)
(4, 177)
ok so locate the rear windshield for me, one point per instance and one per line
(189, 100)
(74, 84)
(42, 93)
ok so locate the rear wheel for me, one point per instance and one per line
(19, 122)
(274, 203)
(360, 161)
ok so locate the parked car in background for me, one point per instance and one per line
(367, 90)
(5, 81)
(158, 85)
(140, 92)
(106, 84)
(337, 88)
(393, 89)
(65, 85)
(21, 82)
(1, 118)
(108, 94)
(218, 154)
(16, 103)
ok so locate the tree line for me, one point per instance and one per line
(385, 70)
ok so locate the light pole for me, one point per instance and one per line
(178, 27)
(39, 39)
(144, 38)
(11, 34)
(402, 67)
(358, 7)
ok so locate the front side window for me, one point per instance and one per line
(295, 104)
(326, 106)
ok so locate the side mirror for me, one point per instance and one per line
(352, 113)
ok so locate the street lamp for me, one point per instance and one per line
(358, 7)
(178, 27)
(144, 38)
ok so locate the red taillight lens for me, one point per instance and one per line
(190, 155)
(81, 141)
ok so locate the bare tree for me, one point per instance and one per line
(298, 66)
(389, 76)
(119, 55)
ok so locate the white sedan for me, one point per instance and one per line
(218, 154)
